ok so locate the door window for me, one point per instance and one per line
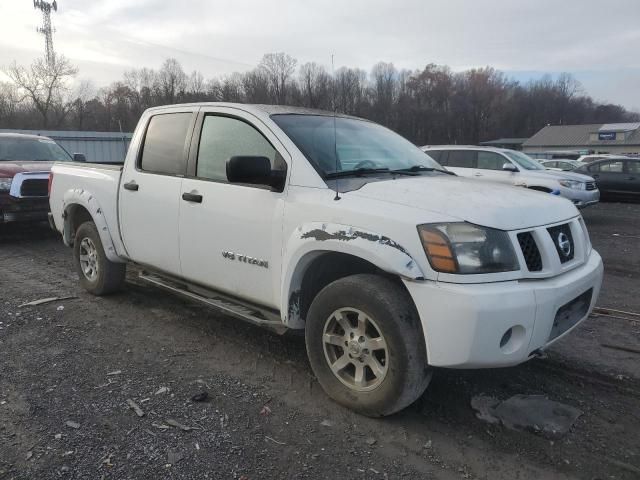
(163, 149)
(461, 158)
(613, 167)
(490, 161)
(437, 155)
(226, 137)
(633, 166)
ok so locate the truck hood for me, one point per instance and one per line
(547, 174)
(9, 169)
(481, 203)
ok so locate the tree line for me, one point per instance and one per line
(433, 105)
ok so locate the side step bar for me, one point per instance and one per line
(220, 302)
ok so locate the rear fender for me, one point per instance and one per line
(79, 196)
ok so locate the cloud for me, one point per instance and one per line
(220, 36)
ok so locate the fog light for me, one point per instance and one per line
(506, 337)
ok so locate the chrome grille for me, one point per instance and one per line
(560, 235)
(530, 251)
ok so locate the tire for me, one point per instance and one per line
(389, 315)
(105, 277)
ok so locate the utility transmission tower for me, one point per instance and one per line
(46, 29)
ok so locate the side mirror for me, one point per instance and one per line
(509, 167)
(79, 157)
(253, 170)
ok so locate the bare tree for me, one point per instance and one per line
(279, 68)
(256, 86)
(9, 98)
(43, 83)
(349, 88)
(172, 80)
(315, 86)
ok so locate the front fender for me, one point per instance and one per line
(83, 198)
(313, 239)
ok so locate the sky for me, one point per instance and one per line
(596, 41)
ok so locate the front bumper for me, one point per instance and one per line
(581, 198)
(466, 325)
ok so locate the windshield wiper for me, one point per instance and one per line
(357, 172)
(421, 168)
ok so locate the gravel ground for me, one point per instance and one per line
(68, 369)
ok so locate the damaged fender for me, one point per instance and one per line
(78, 196)
(309, 241)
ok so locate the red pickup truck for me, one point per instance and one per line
(25, 163)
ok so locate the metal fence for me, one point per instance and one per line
(97, 146)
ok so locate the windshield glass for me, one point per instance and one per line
(32, 150)
(523, 160)
(358, 144)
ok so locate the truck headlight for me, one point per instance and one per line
(573, 184)
(466, 249)
(5, 184)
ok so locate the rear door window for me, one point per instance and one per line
(490, 161)
(163, 151)
(612, 167)
(633, 166)
(462, 159)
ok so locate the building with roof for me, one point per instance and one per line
(613, 138)
(98, 147)
(510, 143)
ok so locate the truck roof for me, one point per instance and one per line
(259, 109)
(22, 136)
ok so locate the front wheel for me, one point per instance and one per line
(98, 275)
(366, 346)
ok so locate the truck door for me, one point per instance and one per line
(149, 196)
(231, 234)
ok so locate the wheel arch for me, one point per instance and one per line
(318, 254)
(81, 206)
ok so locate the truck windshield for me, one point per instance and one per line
(32, 150)
(352, 146)
(524, 161)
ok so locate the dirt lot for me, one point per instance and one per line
(79, 361)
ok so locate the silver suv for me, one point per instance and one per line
(515, 168)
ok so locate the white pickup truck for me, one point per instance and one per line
(300, 219)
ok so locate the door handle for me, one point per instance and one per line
(192, 197)
(132, 185)
(478, 175)
(631, 178)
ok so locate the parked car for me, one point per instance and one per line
(511, 167)
(563, 165)
(25, 162)
(299, 219)
(617, 178)
(556, 154)
(599, 156)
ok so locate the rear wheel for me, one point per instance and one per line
(366, 346)
(98, 275)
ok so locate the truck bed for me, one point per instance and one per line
(74, 181)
